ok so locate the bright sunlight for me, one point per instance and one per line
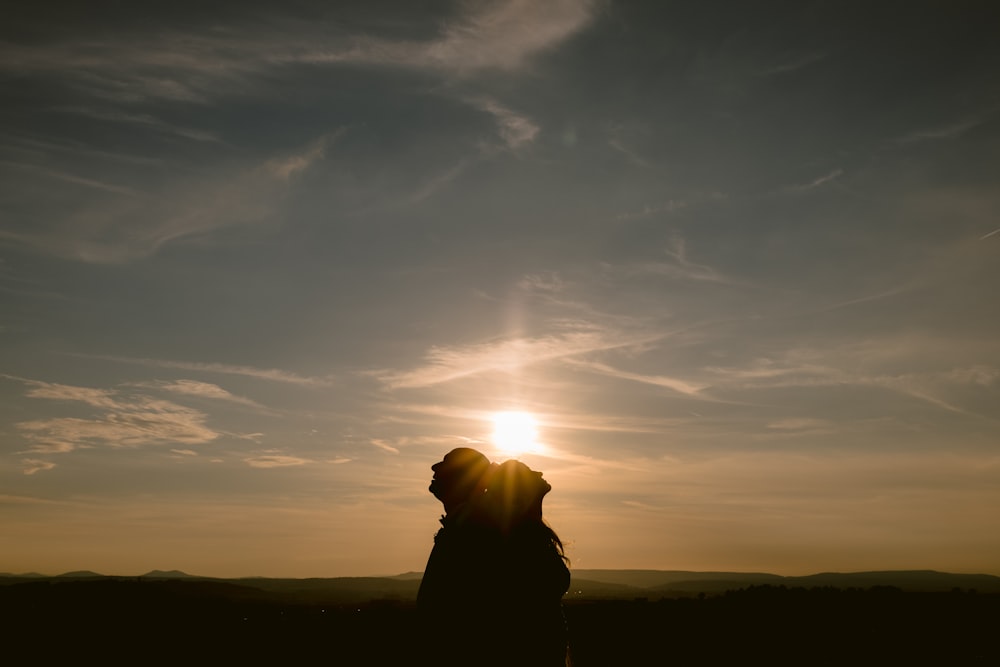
(515, 433)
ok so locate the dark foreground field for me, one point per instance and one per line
(131, 622)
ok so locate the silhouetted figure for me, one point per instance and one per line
(451, 592)
(527, 571)
(491, 594)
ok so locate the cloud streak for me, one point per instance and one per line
(952, 130)
(676, 265)
(98, 398)
(131, 423)
(384, 446)
(793, 65)
(133, 222)
(144, 120)
(816, 182)
(121, 421)
(275, 460)
(515, 130)
(505, 34)
(444, 364)
(680, 386)
(501, 35)
(895, 291)
(201, 64)
(847, 367)
(122, 229)
(269, 374)
(74, 179)
(32, 466)
(197, 389)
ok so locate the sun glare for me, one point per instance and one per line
(515, 433)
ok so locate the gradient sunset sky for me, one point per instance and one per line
(262, 264)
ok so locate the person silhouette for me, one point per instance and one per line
(529, 568)
(450, 591)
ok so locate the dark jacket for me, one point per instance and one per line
(451, 595)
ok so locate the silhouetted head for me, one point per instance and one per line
(512, 505)
(459, 476)
(516, 492)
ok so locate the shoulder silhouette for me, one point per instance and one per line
(492, 590)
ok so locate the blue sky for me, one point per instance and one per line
(261, 266)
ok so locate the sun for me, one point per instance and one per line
(515, 433)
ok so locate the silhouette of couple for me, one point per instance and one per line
(492, 589)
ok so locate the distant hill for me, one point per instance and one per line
(799, 621)
(908, 580)
(659, 579)
(168, 574)
(595, 590)
(79, 574)
(585, 583)
(342, 590)
(664, 582)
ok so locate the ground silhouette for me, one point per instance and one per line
(127, 621)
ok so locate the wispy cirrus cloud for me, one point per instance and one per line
(944, 131)
(829, 177)
(275, 460)
(492, 35)
(384, 446)
(672, 205)
(197, 389)
(885, 294)
(444, 364)
(937, 388)
(110, 77)
(120, 420)
(131, 423)
(505, 34)
(548, 282)
(676, 250)
(198, 65)
(793, 64)
(438, 182)
(32, 466)
(270, 374)
(515, 129)
(92, 396)
(978, 375)
(285, 167)
(144, 120)
(185, 452)
(629, 152)
(28, 146)
(692, 389)
(120, 229)
(767, 369)
(677, 264)
(798, 424)
(67, 177)
(860, 366)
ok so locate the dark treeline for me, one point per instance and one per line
(790, 626)
(128, 621)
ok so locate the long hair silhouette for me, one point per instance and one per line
(529, 564)
(514, 500)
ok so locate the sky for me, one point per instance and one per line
(262, 264)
